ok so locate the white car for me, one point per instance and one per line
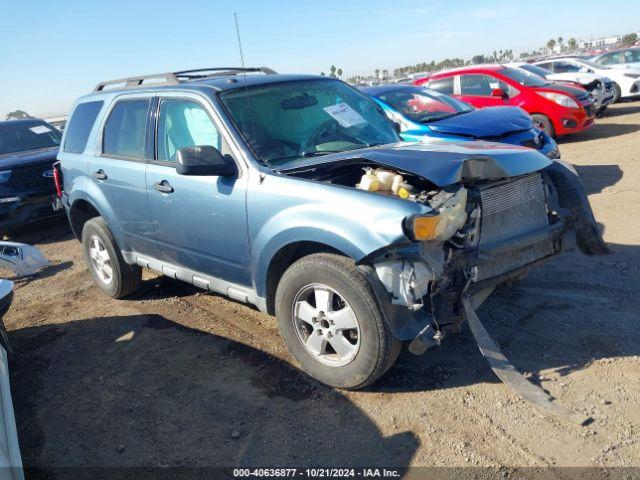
(623, 58)
(626, 81)
(10, 461)
(600, 88)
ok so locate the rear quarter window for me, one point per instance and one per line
(442, 85)
(80, 125)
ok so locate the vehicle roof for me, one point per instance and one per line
(218, 83)
(242, 81)
(390, 87)
(22, 121)
(472, 68)
(615, 50)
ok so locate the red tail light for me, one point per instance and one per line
(57, 178)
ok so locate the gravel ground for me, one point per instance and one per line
(177, 377)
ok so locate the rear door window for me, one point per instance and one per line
(125, 130)
(480, 85)
(442, 85)
(184, 123)
(564, 67)
(80, 125)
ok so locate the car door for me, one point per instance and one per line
(200, 221)
(477, 89)
(119, 170)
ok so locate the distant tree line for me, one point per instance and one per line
(17, 115)
(497, 56)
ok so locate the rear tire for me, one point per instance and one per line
(617, 93)
(543, 123)
(115, 277)
(350, 319)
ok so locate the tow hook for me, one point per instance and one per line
(510, 376)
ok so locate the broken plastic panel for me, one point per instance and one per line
(24, 260)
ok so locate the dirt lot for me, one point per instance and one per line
(177, 377)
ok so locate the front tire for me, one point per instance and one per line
(115, 277)
(617, 93)
(331, 323)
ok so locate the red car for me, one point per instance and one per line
(557, 109)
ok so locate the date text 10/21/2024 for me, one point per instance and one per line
(315, 473)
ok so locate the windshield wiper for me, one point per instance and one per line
(320, 152)
(435, 119)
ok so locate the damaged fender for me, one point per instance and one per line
(576, 209)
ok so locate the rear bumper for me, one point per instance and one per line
(22, 210)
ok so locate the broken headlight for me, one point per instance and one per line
(448, 217)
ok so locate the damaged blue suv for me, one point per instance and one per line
(295, 193)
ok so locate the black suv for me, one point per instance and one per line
(28, 149)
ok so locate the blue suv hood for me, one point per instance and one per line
(11, 160)
(492, 122)
(441, 162)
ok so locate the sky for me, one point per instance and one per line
(52, 52)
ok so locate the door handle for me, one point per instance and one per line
(100, 175)
(163, 187)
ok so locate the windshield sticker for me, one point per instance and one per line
(40, 129)
(345, 115)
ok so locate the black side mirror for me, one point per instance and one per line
(204, 160)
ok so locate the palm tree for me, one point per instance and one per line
(572, 43)
(550, 44)
(339, 73)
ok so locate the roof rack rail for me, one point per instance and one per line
(133, 82)
(174, 78)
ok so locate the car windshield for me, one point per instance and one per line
(20, 137)
(536, 70)
(590, 64)
(286, 122)
(523, 77)
(422, 105)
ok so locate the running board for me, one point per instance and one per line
(510, 376)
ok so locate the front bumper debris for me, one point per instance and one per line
(510, 376)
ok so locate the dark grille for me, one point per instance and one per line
(30, 177)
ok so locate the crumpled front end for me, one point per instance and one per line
(508, 227)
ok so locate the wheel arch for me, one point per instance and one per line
(85, 206)
(284, 257)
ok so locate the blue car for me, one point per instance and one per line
(296, 194)
(422, 114)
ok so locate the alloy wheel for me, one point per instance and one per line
(326, 325)
(100, 260)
